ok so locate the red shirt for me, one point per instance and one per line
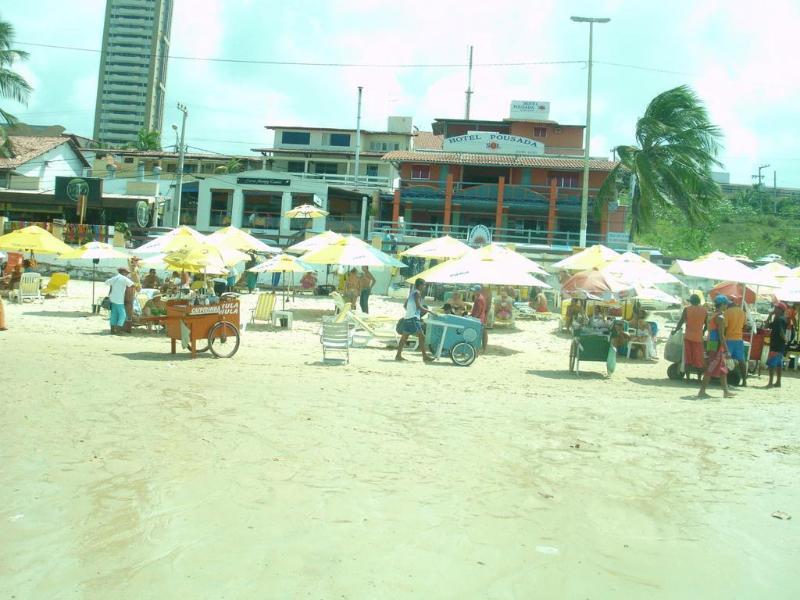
(479, 308)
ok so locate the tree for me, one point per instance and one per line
(147, 140)
(671, 166)
(12, 85)
(234, 165)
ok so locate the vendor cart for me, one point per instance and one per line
(214, 326)
(458, 337)
(589, 347)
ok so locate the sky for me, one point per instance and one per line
(738, 55)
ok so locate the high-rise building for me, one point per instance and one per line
(133, 69)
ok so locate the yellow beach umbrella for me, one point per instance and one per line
(178, 239)
(33, 239)
(204, 258)
(595, 257)
(441, 248)
(315, 243)
(235, 238)
(282, 263)
(349, 251)
(306, 211)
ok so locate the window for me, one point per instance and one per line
(190, 168)
(372, 170)
(539, 132)
(340, 139)
(568, 180)
(326, 168)
(296, 137)
(296, 166)
(128, 159)
(171, 168)
(209, 168)
(420, 171)
(220, 208)
(262, 210)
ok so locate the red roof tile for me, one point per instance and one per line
(25, 148)
(427, 140)
(497, 160)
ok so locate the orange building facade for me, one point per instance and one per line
(520, 178)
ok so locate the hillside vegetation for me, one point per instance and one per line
(744, 224)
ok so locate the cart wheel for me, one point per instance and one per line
(462, 354)
(674, 371)
(733, 377)
(223, 339)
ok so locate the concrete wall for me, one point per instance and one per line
(60, 161)
(559, 136)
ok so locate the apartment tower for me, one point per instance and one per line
(133, 70)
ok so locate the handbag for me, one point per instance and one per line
(105, 303)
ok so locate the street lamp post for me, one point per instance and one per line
(179, 174)
(585, 195)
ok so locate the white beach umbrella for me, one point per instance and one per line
(635, 269)
(718, 266)
(178, 239)
(315, 243)
(442, 248)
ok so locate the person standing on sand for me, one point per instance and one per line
(718, 349)
(412, 323)
(365, 282)
(117, 287)
(480, 311)
(694, 317)
(734, 327)
(777, 344)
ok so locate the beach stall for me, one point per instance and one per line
(199, 320)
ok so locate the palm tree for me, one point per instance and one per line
(12, 85)
(146, 140)
(671, 166)
(234, 165)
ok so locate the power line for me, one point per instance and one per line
(291, 63)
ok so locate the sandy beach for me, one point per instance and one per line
(132, 473)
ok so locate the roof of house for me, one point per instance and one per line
(175, 155)
(320, 152)
(496, 160)
(337, 129)
(427, 140)
(25, 148)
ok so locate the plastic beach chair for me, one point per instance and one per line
(264, 307)
(30, 288)
(335, 337)
(57, 286)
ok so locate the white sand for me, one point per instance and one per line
(131, 473)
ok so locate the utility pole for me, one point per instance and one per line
(179, 174)
(775, 192)
(588, 138)
(358, 138)
(469, 85)
(760, 187)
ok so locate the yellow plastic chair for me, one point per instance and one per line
(264, 307)
(57, 286)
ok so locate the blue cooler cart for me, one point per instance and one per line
(459, 337)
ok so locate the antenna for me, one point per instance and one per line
(469, 85)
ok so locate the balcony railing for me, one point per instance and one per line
(364, 181)
(515, 236)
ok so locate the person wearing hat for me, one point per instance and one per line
(117, 287)
(480, 311)
(718, 349)
(694, 317)
(735, 319)
(777, 344)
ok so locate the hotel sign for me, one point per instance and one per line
(530, 110)
(487, 142)
(262, 181)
